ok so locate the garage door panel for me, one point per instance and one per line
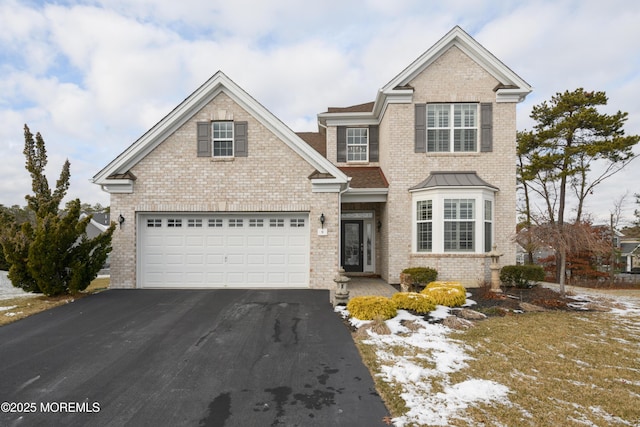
(223, 250)
(256, 241)
(277, 241)
(195, 259)
(256, 260)
(215, 259)
(297, 259)
(195, 241)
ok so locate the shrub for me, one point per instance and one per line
(421, 274)
(371, 307)
(450, 294)
(419, 303)
(521, 276)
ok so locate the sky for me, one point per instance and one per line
(93, 75)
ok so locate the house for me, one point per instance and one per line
(629, 253)
(99, 224)
(221, 193)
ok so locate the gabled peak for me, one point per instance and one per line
(510, 84)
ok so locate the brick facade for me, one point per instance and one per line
(272, 178)
(452, 77)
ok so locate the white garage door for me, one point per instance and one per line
(215, 250)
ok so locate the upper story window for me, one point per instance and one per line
(222, 139)
(357, 144)
(452, 128)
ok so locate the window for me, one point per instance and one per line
(424, 217)
(459, 227)
(194, 223)
(154, 223)
(222, 139)
(452, 128)
(357, 144)
(235, 223)
(488, 225)
(274, 222)
(215, 222)
(174, 223)
(297, 222)
(253, 222)
(453, 220)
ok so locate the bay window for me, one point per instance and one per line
(453, 220)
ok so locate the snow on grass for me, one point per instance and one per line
(420, 360)
(7, 290)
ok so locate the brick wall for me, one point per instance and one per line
(453, 77)
(272, 178)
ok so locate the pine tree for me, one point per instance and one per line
(54, 256)
(569, 136)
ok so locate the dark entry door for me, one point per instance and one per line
(352, 246)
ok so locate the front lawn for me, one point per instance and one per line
(568, 368)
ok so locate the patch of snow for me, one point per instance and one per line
(7, 290)
(441, 312)
(430, 355)
(8, 308)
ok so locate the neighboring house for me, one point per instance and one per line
(630, 252)
(99, 224)
(221, 193)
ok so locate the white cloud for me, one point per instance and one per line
(94, 75)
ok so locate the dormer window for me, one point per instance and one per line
(452, 128)
(357, 144)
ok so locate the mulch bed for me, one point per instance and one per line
(492, 303)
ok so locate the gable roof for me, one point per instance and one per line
(114, 177)
(511, 87)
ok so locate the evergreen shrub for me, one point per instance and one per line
(450, 294)
(521, 276)
(414, 301)
(421, 275)
(371, 307)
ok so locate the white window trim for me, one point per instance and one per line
(437, 196)
(451, 127)
(366, 129)
(214, 139)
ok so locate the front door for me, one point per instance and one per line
(352, 246)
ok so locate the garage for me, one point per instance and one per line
(211, 250)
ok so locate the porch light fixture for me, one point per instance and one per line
(120, 220)
(322, 219)
(379, 225)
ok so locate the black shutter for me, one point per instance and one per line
(374, 145)
(342, 144)
(240, 139)
(420, 144)
(204, 139)
(486, 127)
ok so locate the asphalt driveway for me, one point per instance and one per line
(188, 357)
